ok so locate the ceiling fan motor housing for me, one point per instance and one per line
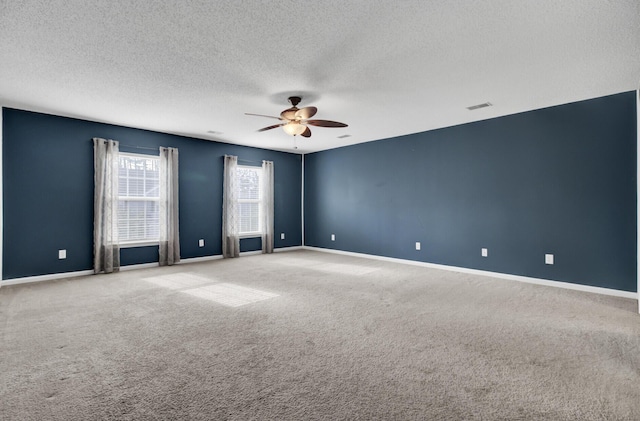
(295, 100)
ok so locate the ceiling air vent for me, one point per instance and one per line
(344, 136)
(475, 107)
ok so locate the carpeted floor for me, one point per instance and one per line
(305, 335)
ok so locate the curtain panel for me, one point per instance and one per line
(267, 206)
(169, 244)
(230, 229)
(106, 251)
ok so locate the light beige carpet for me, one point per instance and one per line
(308, 336)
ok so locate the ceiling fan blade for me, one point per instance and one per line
(270, 127)
(305, 113)
(306, 133)
(325, 123)
(262, 115)
(289, 114)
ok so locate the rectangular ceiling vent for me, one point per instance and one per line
(475, 107)
(344, 136)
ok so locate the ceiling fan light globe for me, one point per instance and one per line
(294, 128)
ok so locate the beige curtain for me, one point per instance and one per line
(106, 251)
(169, 245)
(267, 206)
(230, 229)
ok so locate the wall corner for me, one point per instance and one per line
(638, 196)
(1, 194)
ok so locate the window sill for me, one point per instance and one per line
(138, 244)
(250, 235)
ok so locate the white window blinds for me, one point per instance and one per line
(138, 197)
(249, 197)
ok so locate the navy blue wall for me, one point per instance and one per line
(559, 180)
(48, 192)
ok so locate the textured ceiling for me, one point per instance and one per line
(386, 68)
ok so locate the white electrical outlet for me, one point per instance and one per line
(62, 254)
(485, 252)
(282, 236)
(548, 259)
(333, 237)
(201, 242)
(417, 245)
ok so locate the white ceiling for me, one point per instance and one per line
(386, 68)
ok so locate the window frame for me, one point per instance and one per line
(146, 242)
(259, 233)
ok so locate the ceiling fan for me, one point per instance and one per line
(295, 121)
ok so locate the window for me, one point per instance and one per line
(249, 198)
(138, 199)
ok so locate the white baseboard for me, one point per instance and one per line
(244, 253)
(281, 249)
(53, 276)
(50, 277)
(200, 259)
(518, 278)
